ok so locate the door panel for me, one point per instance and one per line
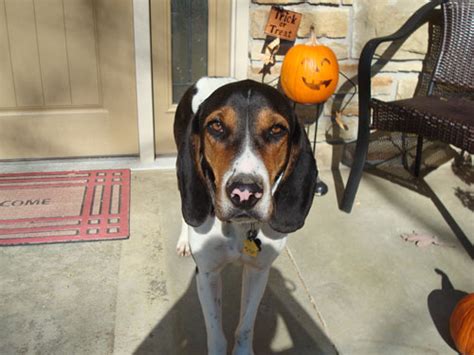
(178, 61)
(67, 79)
(51, 39)
(7, 90)
(82, 49)
(21, 34)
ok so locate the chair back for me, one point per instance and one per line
(455, 64)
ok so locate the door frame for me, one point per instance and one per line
(144, 79)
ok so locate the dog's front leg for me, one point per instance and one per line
(209, 284)
(182, 248)
(254, 282)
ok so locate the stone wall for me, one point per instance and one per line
(345, 26)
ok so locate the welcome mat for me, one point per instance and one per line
(54, 207)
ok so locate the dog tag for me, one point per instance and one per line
(250, 248)
(252, 244)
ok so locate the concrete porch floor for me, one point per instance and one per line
(346, 283)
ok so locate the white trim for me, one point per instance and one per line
(239, 49)
(144, 79)
(135, 164)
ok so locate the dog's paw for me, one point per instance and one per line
(182, 248)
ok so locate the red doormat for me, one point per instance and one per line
(68, 206)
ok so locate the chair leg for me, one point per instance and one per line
(358, 164)
(419, 151)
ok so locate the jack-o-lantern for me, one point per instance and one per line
(461, 325)
(310, 72)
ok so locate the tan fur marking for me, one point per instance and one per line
(220, 154)
(226, 114)
(274, 154)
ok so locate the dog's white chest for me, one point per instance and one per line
(216, 244)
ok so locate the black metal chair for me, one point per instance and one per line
(443, 107)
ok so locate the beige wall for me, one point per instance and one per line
(345, 26)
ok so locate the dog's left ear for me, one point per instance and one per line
(294, 195)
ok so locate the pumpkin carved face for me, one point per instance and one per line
(309, 73)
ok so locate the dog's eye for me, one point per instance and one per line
(277, 131)
(216, 127)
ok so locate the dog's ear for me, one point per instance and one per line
(196, 204)
(294, 195)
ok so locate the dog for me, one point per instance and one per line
(247, 177)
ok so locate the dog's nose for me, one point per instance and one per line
(244, 191)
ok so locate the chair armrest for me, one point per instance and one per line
(419, 18)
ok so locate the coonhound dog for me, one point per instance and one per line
(246, 176)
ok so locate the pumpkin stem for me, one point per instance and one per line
(445, 281)
(312, 40)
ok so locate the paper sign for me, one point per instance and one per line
(283, 23)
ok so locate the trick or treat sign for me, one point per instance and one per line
(281, 29)
(283, 23)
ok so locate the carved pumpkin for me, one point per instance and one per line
(461, 325)
(309, 73)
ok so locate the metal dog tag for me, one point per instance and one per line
(250, 248)
(252, 245)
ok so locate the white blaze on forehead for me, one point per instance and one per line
(205, 87)
(248, 162)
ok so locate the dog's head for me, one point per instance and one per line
(244, 156)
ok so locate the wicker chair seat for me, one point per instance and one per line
(450, 121)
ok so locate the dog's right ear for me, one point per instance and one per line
(196, 204)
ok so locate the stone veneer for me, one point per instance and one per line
(345, 26)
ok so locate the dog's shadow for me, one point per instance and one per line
(182, 330)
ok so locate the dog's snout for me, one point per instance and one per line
(244, 191)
